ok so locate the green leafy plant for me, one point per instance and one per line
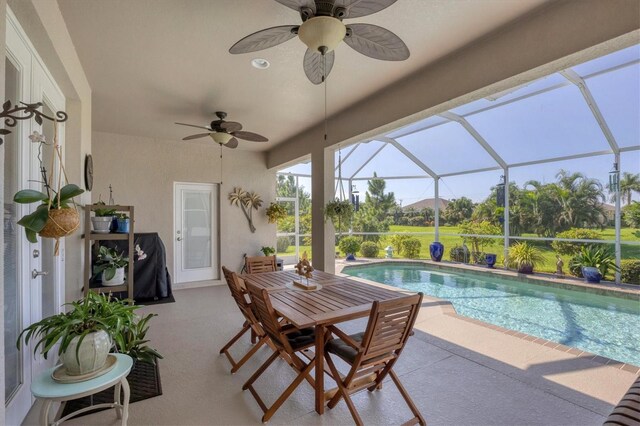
(93, 313)
(268, 251)
(459, 254)
(282, 244)
(339, 212)
(104, 212)
(479, 243)
(276, 212)
(349, 245)
(132, 340)
(369, 249)
(630, 271)
(36, 221)
(524, 257)
(631, 214)
(597, 257)
(411, 248)
(567, 248)
(108, 261)
(121, 216)
(397, 241)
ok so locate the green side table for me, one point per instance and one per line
(49, 391)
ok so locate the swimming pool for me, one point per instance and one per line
(603, 325)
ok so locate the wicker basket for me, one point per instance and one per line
(62, 222)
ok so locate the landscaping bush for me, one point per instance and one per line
(630, 271)
(566, 248)
(349, 245)
(411, 248)
(397, 241)
(369, 249)
(282, 244)
(460, 254)
(631, 213)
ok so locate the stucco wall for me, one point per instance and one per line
(3, 30)
(143, 170)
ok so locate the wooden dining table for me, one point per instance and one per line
(339, 299)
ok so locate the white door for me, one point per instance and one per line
(196, 236)
(27, 297)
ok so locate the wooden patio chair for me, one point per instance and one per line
(250, 322)
(260, 264)
(288, 340)
(373, 353)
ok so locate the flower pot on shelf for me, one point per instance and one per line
(591, 274)
(101, 224)
(436, 250)
(490, 259)
(123, 226)
(91, 356)
(117, 279)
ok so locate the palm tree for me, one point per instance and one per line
(629, 184)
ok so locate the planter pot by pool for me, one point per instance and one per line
(351, 257)
(436, 250)
(123, 226)
(101, 224)
(90, 357)
(591, 274)
(116, 280)
(526, 269)
(490, 258)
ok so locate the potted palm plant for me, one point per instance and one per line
(110, 266)
(593, 263)
(524, 257)
(85, 333)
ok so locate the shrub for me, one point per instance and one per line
(598, 257)
(369, 249)
(397, 241)
(411, 248)
(630, 271)
(631, 214)
(349, 245)
(282, 244)
(566, 248)
(416, 221)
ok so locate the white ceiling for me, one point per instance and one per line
(153, 62)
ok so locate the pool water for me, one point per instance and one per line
(603, 325)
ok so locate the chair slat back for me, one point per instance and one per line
(236, 291)
(267, 315)
(260, 264)
(390, 324)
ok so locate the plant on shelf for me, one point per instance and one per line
(349, 246)
(268, 251)
(103, 217)
(524, 257)
(276, 212)
(339, 212)
(132, 340)
(110, 265)
(592, 263)
(123, 223)
(85, 333)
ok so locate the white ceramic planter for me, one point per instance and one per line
(92, 354)
(117, 279)
(101, 224)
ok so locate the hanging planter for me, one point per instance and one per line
(338, 211)
(276, 212)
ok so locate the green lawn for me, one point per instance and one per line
(627, 234)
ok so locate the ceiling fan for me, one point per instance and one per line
(224, 132)
(322, 30)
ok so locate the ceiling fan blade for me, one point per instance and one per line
(358, 8)
(249, 136)
(233, 143)
(230, 126)
(376, 42)
(264, 39)
(299, 4)
(198, 136)
(193, 125)
(314, 65)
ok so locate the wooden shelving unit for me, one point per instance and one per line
(90, 238)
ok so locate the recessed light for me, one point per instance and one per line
(261, 64)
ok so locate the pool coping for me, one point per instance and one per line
(449, 310)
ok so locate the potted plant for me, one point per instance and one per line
(339, 212)
(123, 223)
(276, 212)
(524, 257)
(110, 266)
(102, 220)
(436, 250)
(349, 246)
(268, 251)
(55, 217)
(85, 333)
(132, 340)
(594, 263)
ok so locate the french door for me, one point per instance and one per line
(196, 235)
(33, 276)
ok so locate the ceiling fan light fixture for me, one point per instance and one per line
(221, 137)
(259, 63)
(322, 31)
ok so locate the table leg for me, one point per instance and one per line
(125, 404)
(319, 369)
(44, 412)
(116, 400)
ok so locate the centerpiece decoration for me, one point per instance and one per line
(304, 269)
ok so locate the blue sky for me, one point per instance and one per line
(555, 123)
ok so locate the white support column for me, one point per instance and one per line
(323, 235)
(350, 195)
(297, 221)
(436, 206)
(506, 211)
(617, 222)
